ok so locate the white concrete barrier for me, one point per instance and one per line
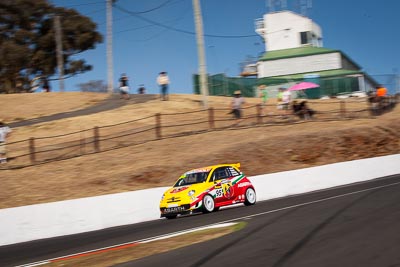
(293, 182)
(40, 221)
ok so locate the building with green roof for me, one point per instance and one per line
(294, 53)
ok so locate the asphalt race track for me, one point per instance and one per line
(355, 225)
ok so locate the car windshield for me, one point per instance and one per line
(192, 178)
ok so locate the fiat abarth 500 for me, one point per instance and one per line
(207, 189)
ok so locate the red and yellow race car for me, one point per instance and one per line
(207, 189)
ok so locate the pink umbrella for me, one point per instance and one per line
(303, 86)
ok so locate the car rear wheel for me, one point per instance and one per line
(208, 204)
(250, 197)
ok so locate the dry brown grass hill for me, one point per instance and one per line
(261, 149)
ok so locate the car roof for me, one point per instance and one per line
(211, 167)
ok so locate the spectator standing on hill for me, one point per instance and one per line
(264, 97)
(373, 101)
(381, 91)
(279, 98)
(46, 85)
(142, 89)
(4, 133)
(286, 98)
(236, 104)
(35, 84)
(163, 82)
(123, 86)
(280, 93)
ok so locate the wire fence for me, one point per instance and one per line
(159, 126)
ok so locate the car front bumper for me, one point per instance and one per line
(181, 209)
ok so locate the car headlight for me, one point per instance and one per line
(163, 196)
(191, 193)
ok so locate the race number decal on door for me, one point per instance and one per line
(219, 192)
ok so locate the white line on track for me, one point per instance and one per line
(214, 225)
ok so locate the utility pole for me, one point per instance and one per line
(200, 48)
(110, 67)
(59, 51)
(397, 91)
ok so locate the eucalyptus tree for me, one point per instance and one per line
(28, 43)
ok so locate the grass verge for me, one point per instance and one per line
(136, 251)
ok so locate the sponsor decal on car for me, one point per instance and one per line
(197, 170)
(174, 209)
(179, 189)
(244, 184)
(228, 190)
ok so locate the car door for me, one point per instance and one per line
(222, 184)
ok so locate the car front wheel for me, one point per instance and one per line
(208, 204)
(250, 197)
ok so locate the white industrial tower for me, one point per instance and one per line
(302, 7)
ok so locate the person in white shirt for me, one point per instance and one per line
(163, 82)
(286, 98)
(236, 104)
(4, 132)
(124, 87)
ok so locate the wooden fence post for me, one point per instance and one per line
(211, 122)
(259, 113)
(158, 125)
(96, 141)
(32, 153)
(342, 108)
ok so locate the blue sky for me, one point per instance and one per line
(365, 30)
